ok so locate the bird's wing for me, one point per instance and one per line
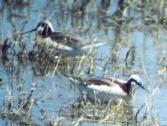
(106, 85)
(65, 39)
(99, 81)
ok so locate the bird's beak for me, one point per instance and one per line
(32, 30)
(144, 88)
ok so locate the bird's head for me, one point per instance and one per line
(136, 80)
(43, 28)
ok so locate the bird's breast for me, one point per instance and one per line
(114, 89)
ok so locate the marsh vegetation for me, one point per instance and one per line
(33, 88)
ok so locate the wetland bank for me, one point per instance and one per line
(33, 88)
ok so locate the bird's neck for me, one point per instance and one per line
(126, 87)
(129, 87)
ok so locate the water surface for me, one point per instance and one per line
(51, 94)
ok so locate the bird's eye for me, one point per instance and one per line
(41, 24)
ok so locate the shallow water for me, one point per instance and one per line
(53, 93)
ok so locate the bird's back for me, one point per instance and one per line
(66, 40)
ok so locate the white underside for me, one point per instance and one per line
(115, 89)
(67, 50)
(56, 45)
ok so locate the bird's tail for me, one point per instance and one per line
(80, 82)
(84, 49)
(74, 79)
(93, 45)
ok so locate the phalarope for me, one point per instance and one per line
(61, 43)
(105, 88)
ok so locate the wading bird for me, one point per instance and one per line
(64, 44)
(104, 89)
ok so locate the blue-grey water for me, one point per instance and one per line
(53, 92)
